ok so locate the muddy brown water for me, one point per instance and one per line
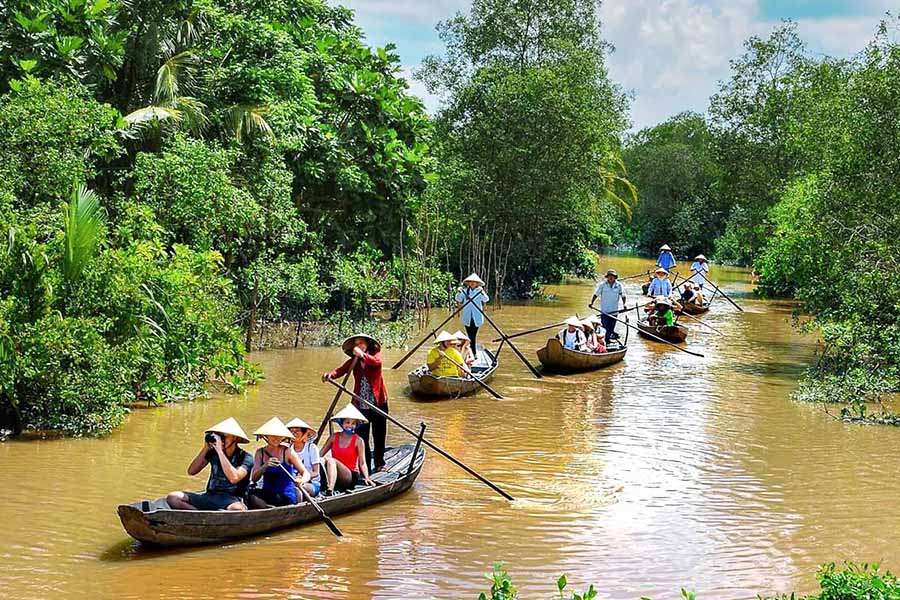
(663, 471)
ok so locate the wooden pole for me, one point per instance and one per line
(322, 514)
(726, 296)
(432, 333)
(470, 374)
(437, 449)
(704, 323)
(334, 402)
(512, 346)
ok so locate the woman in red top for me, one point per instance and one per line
(369, 384)
(346, 465)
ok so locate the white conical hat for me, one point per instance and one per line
(664, 247)
(474, 277)
(229, 427)
(661, 270)
(297, 423)
(662, 300)
(699, 257)
(445, 336)
(588, 323)
(349, 412)
(573, 321)
(276, 427)
(461, 336)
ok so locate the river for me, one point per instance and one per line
(661, 472)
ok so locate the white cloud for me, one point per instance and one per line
(417, 88)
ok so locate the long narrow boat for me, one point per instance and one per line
(554, 356)
(423, 383)
(153, 522)
(693, 309)
(674, 333)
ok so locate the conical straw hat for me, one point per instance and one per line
(349, 412)
(445, 336)
(474, 277)
(663, 300)
(229, 427)
(664, 247)
(348, 344)
(699, 257)
(661, 270)
(297, 423)
(573, 321)
(275, 427)
(461, 336)
(588, 323)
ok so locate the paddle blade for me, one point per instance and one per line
(334, 528)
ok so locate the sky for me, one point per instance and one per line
(669, 54)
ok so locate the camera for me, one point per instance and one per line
(211, 437)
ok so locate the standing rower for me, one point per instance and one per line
(472, 317)
(699, 269)
(609, 292)
(661, 286)
(665, 260)
(369, 385)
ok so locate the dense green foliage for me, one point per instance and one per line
(529, 134)
(792, 174)
(173, 172)
(851, 582)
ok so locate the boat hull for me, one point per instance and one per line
(555, 357)
(693, 309)
(423, 383)
(157, 524)
(675, 333)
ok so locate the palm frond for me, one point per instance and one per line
(193, 112)
(83, 218)
(248, 121)
(176, 73)
(148, 114)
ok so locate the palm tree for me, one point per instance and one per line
(83, 218)
(617, 189)
(247, 121)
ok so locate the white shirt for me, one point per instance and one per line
(310, 456)
(697, 268)
(572, 341)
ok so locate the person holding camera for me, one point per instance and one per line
(229, 471)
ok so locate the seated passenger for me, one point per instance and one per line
(699, 300)
(465, 348)
(662, 312)
(441, 358)
(572, 337)
(687, 292)
(305, 447)
(599, 334)
(278, 465)
(229, 471)
(346, 466)
(590, 338)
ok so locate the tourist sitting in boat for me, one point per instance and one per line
(346, 466)
(699, 270)
(660, 286)
(229, 470)
(572, 336)
(365, 351)
(593, 341)
(699, 300)
(305, 447)
(278, 466)
(661, 312)
(687, 292)
(472, 315)
(444, 358)
(665, 260)
(465, 349)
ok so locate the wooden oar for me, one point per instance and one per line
(530, 331)
(335, 401)
(656, 337)
(644, 274)
(726, 296)
(325, 518)
(472, 375)
(437, 449)
(521, 356)
(432, 333)
(704, 323)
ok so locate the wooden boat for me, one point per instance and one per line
(558, 358)
(693, 309)
(153, 522)
(423, 383)
(675, 333)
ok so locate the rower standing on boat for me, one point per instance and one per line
(661, 286)
(472, 317)
(365, 353)
(572, 336)
(610, 291)
(699, 269)
(665, 260)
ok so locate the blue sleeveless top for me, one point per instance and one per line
(275, 480)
